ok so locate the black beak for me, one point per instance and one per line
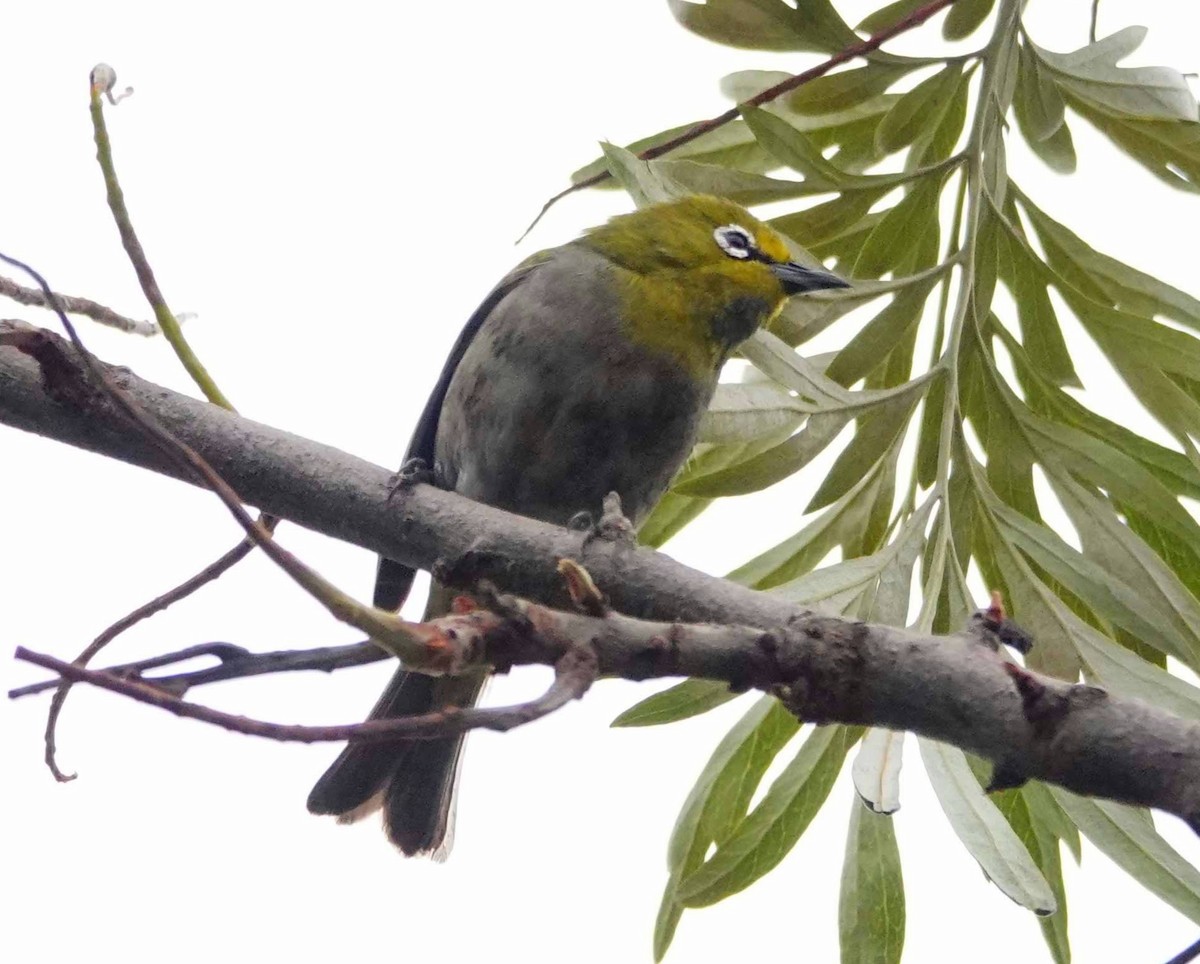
(797, 278)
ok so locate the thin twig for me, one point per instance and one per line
(396, 635)
(102, 80)
(157, 604)
(233, 662)
(78, 306)
(874, 42)
(133, 247)
(1092, 35)
(573, 675)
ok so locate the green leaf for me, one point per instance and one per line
(965, 18)
(1101, 277)
(676, 510)
(1049, 814)
(1117, 574)
(1170, 150)
(730, 145)
(1067, 451)
(1129, 839)
(805, 318)
(1171, 468)
(1091, 73)
(983, 830)
(1040, 838)
(886, 16)
(847, 88)
(821, 222)
(1057, 151)
(866, 350)
(764, 838)
(842, 521)
(1135, 570)
(888, 572)
(741, 413)
(792, 147)
(941, 136)
(744, 187)
(879, 433)
(876, 769)
(1026, 277)
(1116, 668)
(891, 239)
(718, 799)
(871, 904)
(769, 467)
(679, 702)
(1039, 609)
(635, 176)
(811, 25)
(921, 107)
(1037, 103)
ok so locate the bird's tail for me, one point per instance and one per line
(411, 780)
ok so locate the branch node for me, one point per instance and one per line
(62, 378)
(1045, 708)
(991, 627)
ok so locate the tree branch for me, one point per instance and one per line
(950, 688)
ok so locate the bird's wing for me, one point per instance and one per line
(394, 579)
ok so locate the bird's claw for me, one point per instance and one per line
(613, 525)
(412, 472)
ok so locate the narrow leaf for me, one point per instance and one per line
(921, 107)
(965, 18)
(871, 904)
(679, 702)
(1127, 836)
(771, 830)
(982, 829)
(876, 769)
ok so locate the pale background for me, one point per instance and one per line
(333, 189)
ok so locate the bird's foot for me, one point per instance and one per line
(412, 472)
(613, 525)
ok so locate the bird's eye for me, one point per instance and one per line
(735, 241)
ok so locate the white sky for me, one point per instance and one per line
(333, 189)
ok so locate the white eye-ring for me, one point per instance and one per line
(735, 241)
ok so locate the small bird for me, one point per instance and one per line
(585, 371)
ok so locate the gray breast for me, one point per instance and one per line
(552, 407)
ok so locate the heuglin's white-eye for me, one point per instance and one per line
(585, 371)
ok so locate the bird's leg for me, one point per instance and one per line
(411, 473)
(613, 525)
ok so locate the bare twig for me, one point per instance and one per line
(233, 662)
(874, 42)
(574, 673)
(77, 306)
(386, 629)
(158, 604)
(102, 81)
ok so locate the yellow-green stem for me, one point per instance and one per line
(162, 314)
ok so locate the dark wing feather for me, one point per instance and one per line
(393, 579)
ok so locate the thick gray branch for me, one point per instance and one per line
(951, 688)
